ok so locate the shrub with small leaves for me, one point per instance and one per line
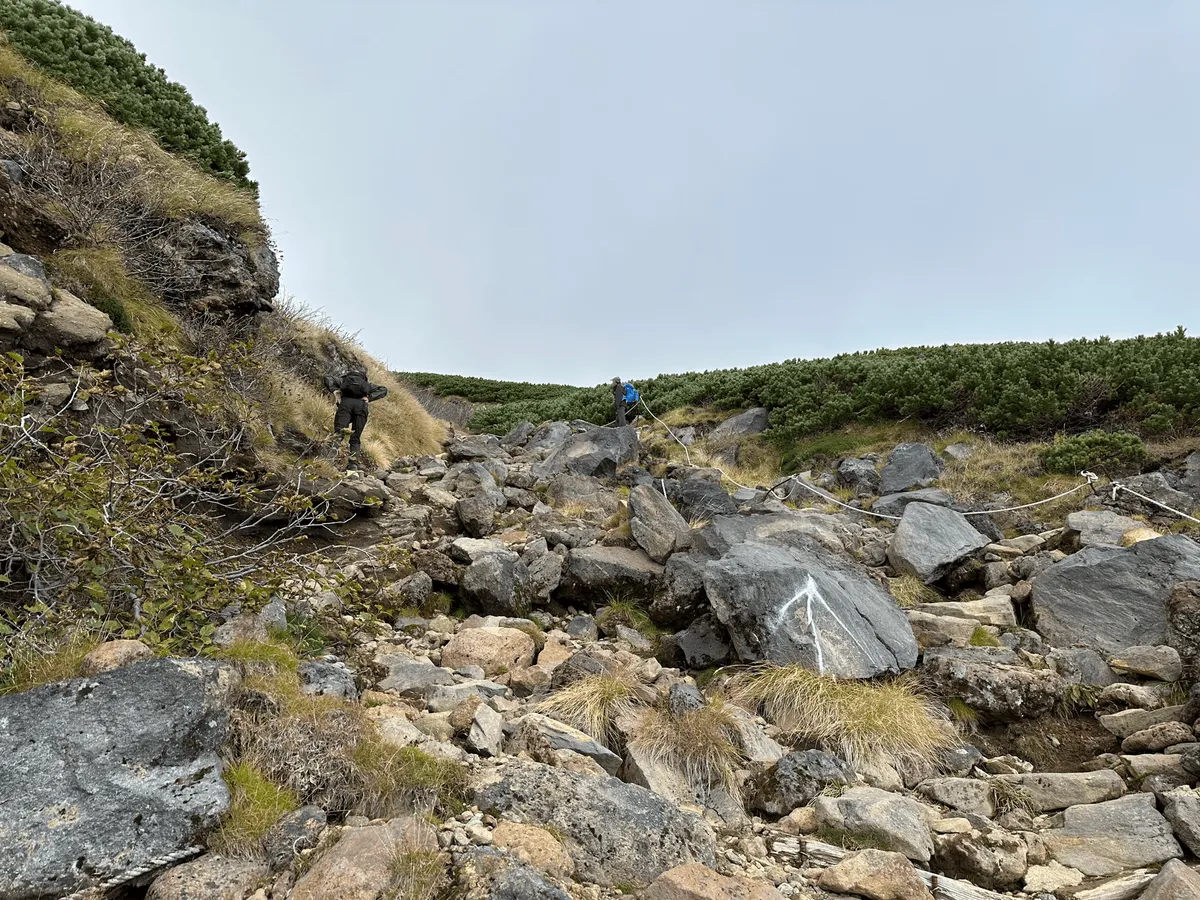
(1107, 452)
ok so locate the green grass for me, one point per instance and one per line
(251, 656)
(962, 713)
(981, 637)
(256, 803)
(416, 875)
(32, 666)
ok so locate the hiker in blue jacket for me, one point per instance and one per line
(625, 396)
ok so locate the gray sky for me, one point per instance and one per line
(567, 190)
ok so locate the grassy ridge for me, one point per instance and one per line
(486, 390)
(107, 68)
(1149, 385)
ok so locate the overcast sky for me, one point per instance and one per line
(567, 190)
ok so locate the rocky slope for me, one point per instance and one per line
(1067, 655)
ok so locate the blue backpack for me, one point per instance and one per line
(631, 394)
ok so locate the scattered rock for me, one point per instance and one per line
(1162, 663)
(1182, 809)
(594, 452)
(297, 831)
(535, 847)
(657, 526)
(1047, 791)
(752, 421)
(495, 650)
(859, 474)
(877, 874)
(114, 655)
(561, 736)
(1051, 878)
(992, 859)
(1096, 528)
(593, 571)
(887, 820)
(322, 679)
(796, 779)
(1108, 838)
(360, 866)
(482, 873)
(909, 466)
(931, 540)
(992, 682)
(969, 795)
(1175, 881)
(700, 500)
(698, 882)
(614, 831)
(486, 734)
(1157, 737)
(209, 878)
(895, 504)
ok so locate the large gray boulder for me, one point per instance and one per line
(657, 526)
(1175, 881)
(752, 421)
(592, 571)
(1110, 599)
(596, 451)
(931, 540)
(895, 504)
(101, 776)
(910, 466)
(859, 474)
(785, 529)
(880, 819)
(615, 832)
(1097, 528)
(1108, 838)
(548, 438)
(796, 779)
(807, 605)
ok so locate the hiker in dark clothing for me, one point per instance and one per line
(618, 390)
(355, 393)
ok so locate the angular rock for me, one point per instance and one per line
(886, 820)
(1112, 599)
(796, 779)
(1051, 878)
(209, 878)
(491, 583)
(700, 500)
(752, 421)
(593, 571)
(697, 882)
(494, 650)
(1181, 807)
(549, 437)
(931, 540)
(534, 847)
(1130, 721)
(1175, 881)
(940, 631)
(859, 474)
(482, 873)
(444, 699)
(486, 735)
(1097, 528)
(322, 679)
(561, 736)
(992, 682)
(114, 655)
(657, 526)
(615, 832)
(1183, 622)
(1048, 791)
(99, 776)
(413, 679)
(704, 644)
(805, 605)
(1108, 838)
(595, 452)
(876, 874)
(1157, 737)
(995, 610)
(1155, 486)
(298, 830)
(1162, 663)
(969, 795)
(1079, 665)
(360, 866)
(682, 600)
(895, 504)
(909, 466)
(477, 515)
(994, 859)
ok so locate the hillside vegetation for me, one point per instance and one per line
(105, 67)
(1148, 385)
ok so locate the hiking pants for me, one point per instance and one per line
(620, 410)
(352, 414)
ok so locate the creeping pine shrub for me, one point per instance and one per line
(891, 722)
(1107, 452)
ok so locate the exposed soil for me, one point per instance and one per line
(1052, 744)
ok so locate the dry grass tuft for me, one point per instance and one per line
(417, 875)
(32, 666)
(595, 703)
(910, 591)
(892, 722)
(700, 744)
(1009, 797)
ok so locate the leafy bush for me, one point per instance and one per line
(1010, 389)
(1108, 452)
(107, 68)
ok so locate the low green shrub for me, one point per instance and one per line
(1107, 452)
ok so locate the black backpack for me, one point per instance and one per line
(355, 385)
